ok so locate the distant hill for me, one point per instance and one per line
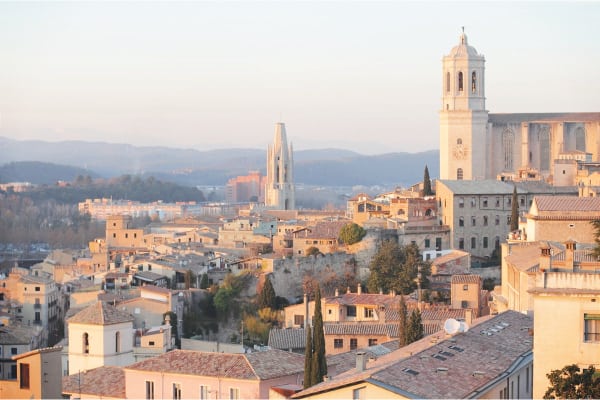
(40, 173)
(325, 167)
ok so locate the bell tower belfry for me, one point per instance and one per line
(279, 190)
(463, 117)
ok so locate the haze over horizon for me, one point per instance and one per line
(359, 76)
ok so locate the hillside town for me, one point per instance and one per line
(484, 283)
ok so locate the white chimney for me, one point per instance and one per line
(361, 361)
(359, 290)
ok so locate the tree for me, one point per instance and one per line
(189, 279)
(313, 251)
(308, 355)
(570, 383)
(267, 295)
(352, 233)
(204, 283)
(415, 327)
(395, 267)
(319, 362)
(403, 327)
(514, 214)
(426, 183)
(596, 224)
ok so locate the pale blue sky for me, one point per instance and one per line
(364, 76)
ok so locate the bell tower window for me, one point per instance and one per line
(448, 82)
(473, 82)
(460, 81)
(459, 174)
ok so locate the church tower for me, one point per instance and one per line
(279, 190)
(463, 117)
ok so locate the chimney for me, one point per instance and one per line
(570, 246)
(337, 292)
(348, 290)
(359, 289)
(545, 263)
(469, 316)
(361, 361)
(305, 310)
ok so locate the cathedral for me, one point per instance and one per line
(475, 144)
(279, 189)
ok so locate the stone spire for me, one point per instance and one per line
(279, 191)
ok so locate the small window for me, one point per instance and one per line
(204, 390)
(591, 327)
(474, 82)
(359, 393)
(117, 342)
(473, 202)
(85, 341)
(176, 391)
(234, 393)
(151, 343)
(459, 174)
(149, 390)
(485, 202)
(447, 81)
(351, 311)
(13, 351)
(459, 141)
(497, 220)
(461, 221)
(497, 201)
(372, 342)
(485, 220)
(427, 243)
(485, 242)
(473, 221)
(114, 235)
(461, 202)
(460, 81)
(461, 243)
(298, 319)
(37, 288)
(465, 287)
(353, 344)
(368, 313)
(473, 242)
(338, 343)
(24, 376)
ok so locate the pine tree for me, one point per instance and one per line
(415, 328)
(403, 327)
(514, 215)
(267, 295)
(308, 355)
(318, 340)
(427, 183)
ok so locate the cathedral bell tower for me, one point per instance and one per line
(279, 190)
(463, 117)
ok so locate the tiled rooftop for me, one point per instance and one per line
(100, 313)
(490, 348)
(260, 365)
(363, 299)
(568, 204)
(106, 381)
(285, 339)
(466, 278)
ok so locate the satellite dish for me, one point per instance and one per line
(463, 326)
(451, 326)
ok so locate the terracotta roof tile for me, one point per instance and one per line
(466, 278)
(568, 204)
(285, 339)
(106, 381)
(100, 313)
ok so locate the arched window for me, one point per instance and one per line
(117, 342)
(460, 81)
(461, 221)
(459, 174)
(508, 142)
(473, 82)
(459, 141)
(447, 81)
(85, 343)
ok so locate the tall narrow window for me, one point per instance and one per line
(24, 376)
(460, 81)
(474, 82)
(580, 139)
(149, 390)
(203, 392)
(176, 391)
(473, 242)
(234, 393)
(459, 174)
(591, 327)
(544, 148)
(85, 343)
(118, 342)
(447, 81)
(508, 140)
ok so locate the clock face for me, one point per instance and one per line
(460, 152)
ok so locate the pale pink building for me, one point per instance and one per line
(185, 374)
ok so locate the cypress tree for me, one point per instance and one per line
(426, 183)
(415, 328)
(267, 295)
(514, 215)
(204, 281)
(402, 328)
(308, 355)
(318, 340)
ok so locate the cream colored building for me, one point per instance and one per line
(100, 335)
(475, 144)
(566, 322)
(38, 376)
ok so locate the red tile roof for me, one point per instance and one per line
(100, 313)
(106, 381)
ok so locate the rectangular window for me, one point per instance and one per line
(359, 393)
(485, 220)
(497, 221)
(473, 221)
(473, 202)
(591, 327)
(234, 393)
(353, 344)
(298, 319)
(204, 392)
(24, 376)
(438, 244)
(427, 244)
(368, 313)
(338, 343)
(372, 342)
(351, 311)
(176, 391)
(461, 202)
(13, 351)
(473, 242)
(497, 201)
(485, 202)
(461, 243)
(37, 288)
(485, 242)
(149, 390)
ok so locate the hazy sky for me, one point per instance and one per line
(364, 76)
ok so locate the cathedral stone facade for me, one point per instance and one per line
(279, 189)
(475, 144)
